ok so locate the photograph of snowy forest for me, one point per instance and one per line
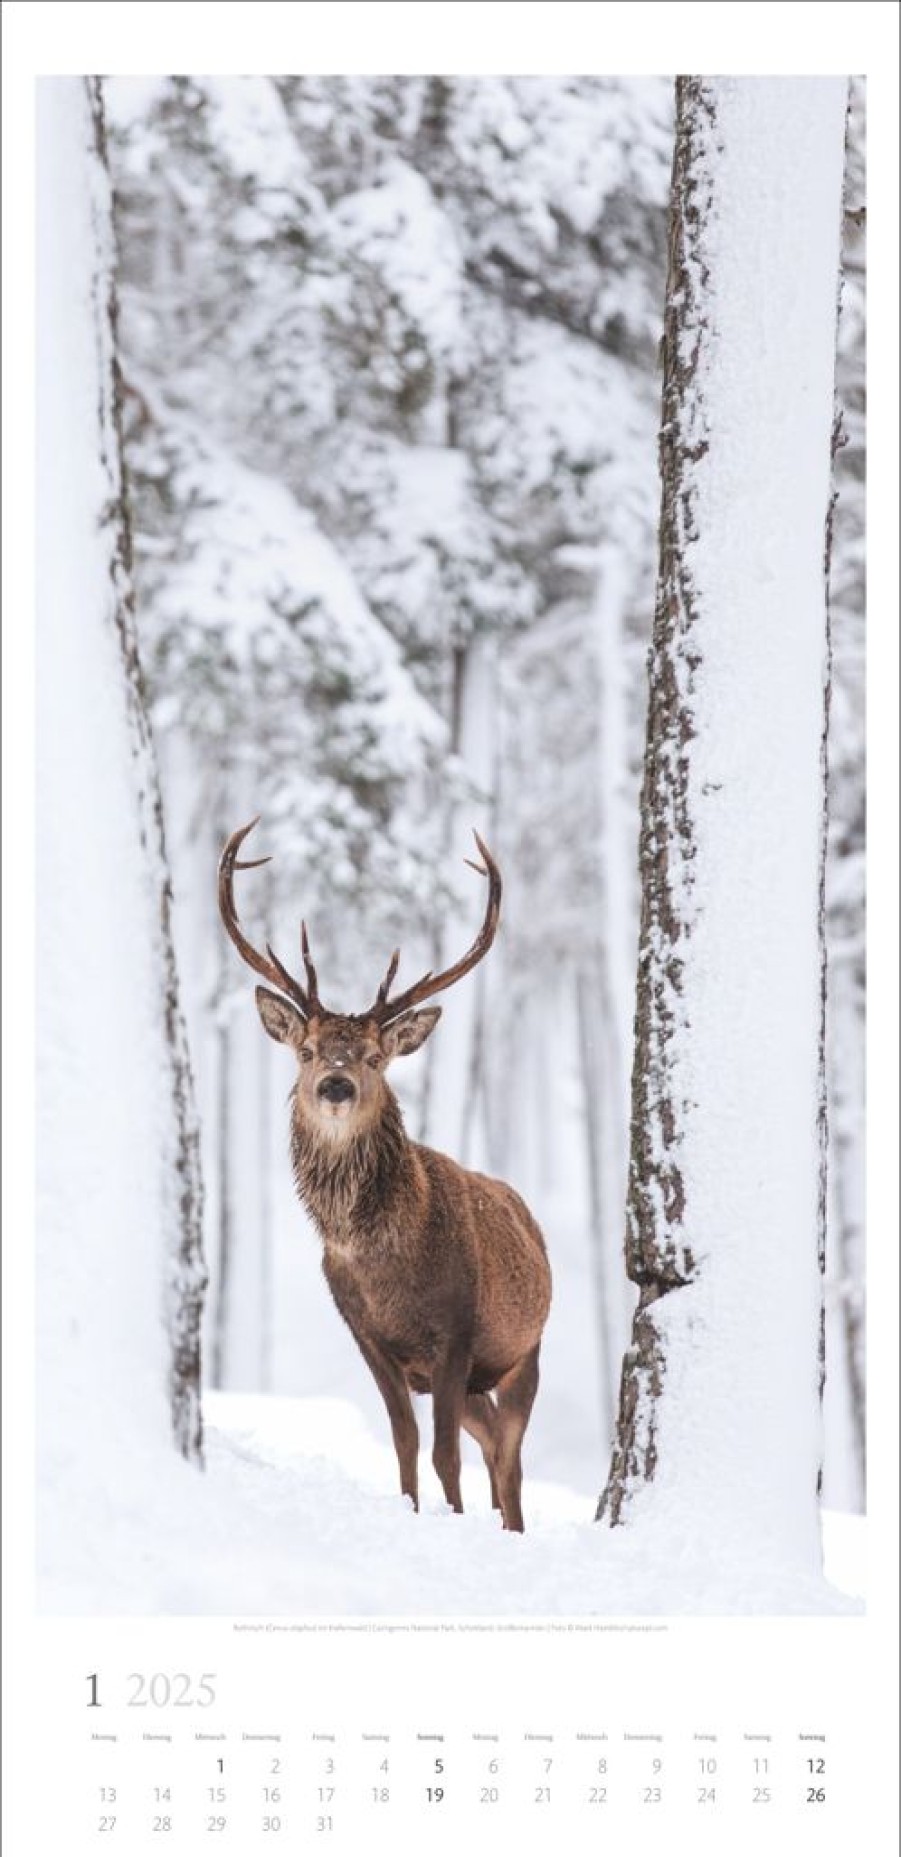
(420, 456)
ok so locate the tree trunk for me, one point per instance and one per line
(477, 1095)
(846, 1005)
(847, 1232)
(719, 1416)
(264, 1162)
(458, 674)
(587, 1024)
(224, 1196)
(459, 659)
(616, 954)
(119, 1131)
(185, 1269)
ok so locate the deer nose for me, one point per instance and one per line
(336, 1089)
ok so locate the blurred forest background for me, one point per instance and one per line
(391, 398)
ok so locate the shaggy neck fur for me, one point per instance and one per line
(350, 1184)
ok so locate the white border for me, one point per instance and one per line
(755, 37)
(479, 37)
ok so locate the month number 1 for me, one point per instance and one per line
(180, 1690)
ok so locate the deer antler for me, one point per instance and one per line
(385, 1011)
(307, 1002)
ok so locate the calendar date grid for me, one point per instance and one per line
(167, 1766)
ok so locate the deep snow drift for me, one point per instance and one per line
(299, 1513)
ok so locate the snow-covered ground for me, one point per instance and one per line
(299, 1513)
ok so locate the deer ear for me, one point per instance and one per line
(410, 1032)
(281, 1020)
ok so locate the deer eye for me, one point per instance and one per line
(374, 1061)
(306, 1057)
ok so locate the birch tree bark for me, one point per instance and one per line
(719, 1414)
(119, 1171)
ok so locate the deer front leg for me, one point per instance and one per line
(404, 1429)
(449, 1377)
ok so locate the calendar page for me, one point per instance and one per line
(467, 1418)
(276, 1734)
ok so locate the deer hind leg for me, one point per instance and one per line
(449, 1377)
(394, 1390)
(480, 1420)
(515, 1399)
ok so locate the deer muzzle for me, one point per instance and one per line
(336, 1089)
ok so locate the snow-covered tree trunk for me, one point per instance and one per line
(845, 1478)
(121, 1272)
(720, 1405)
(611, 1029)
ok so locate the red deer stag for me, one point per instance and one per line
(440, 1274)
